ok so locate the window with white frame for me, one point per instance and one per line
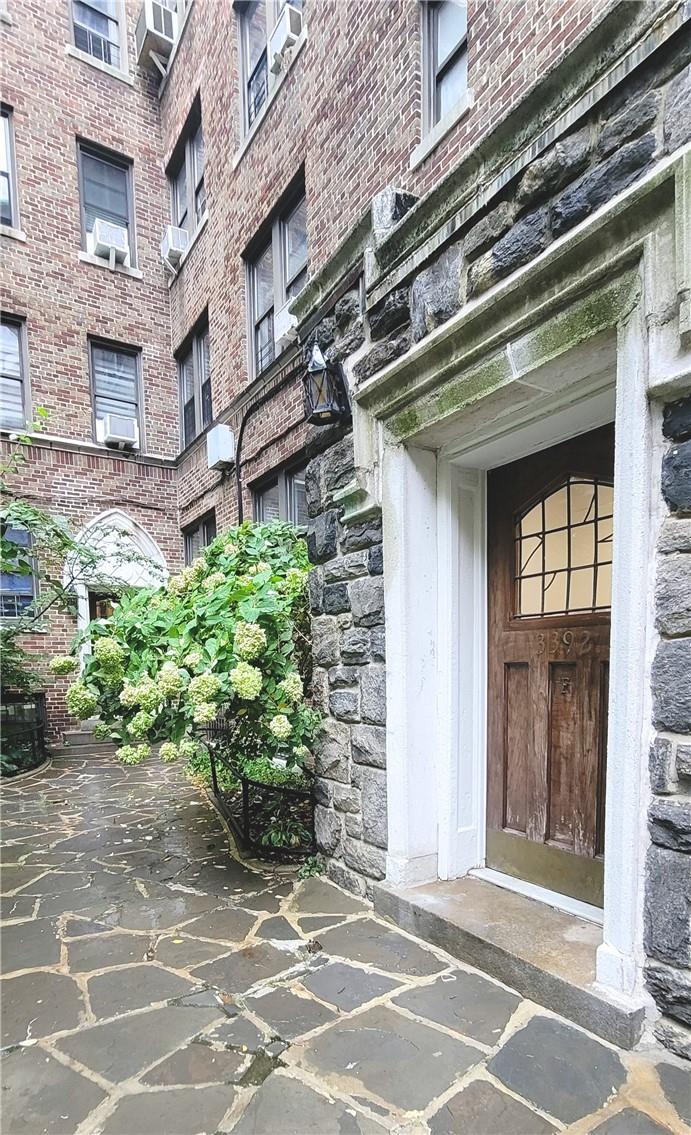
(445, 57)
(115, 383)
(186, 175)
(9, 212)
(105, 190)
(17, 588)
(282, 497)
(258, 19)
(194, 368)
(277, 273)
(13, 394)
(199, 535)
(97, 29)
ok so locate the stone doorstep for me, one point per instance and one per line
(546, 955)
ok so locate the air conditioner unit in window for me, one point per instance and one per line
(156, 31)
(174, 245)
(109, 241)
(285, 328)
(284, 35)
(117, 431)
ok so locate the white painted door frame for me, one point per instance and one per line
(435, 591)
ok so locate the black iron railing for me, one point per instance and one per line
(22, 748)
(253, 809)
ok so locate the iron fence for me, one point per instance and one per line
(253, 808)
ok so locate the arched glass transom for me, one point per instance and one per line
(564, 551)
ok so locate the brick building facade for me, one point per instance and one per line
(495, 224)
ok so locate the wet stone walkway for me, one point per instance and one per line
(153, 985)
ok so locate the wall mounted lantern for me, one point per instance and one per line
(325, 390)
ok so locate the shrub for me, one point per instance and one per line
(227, 636)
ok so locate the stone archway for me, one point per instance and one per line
(128, 557)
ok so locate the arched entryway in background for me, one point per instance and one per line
(127, 557)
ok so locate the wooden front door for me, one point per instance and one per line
(549, 597)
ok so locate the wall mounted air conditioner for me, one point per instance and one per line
(117, 431)
(220, 447)
(285, 328)
(109, 241)
(174, 245)
(156, 31)
(284, 35)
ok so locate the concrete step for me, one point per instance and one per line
(543, 953)
(75, 737)
(94, 748)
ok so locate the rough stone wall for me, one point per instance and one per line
(621, 140)
(349, 677)
(668, 874)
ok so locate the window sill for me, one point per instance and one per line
(119, 269)
(183, 259)
(114, 72)
(249, 136)
(12, 233)
(442, 128)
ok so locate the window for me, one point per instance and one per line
(96, 26)
(276, 275)
(445, 58)
(186, 176)
(195, 387)
(13, 401)
(9, 213)
(254, 58)
(115, 383)
(17, 589)
(258, 18)
(199, 535)
(105, 188)
(283, 498)
(564, 551)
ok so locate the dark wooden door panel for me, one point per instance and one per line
(548, 672)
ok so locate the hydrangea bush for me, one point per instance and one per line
(226, 636)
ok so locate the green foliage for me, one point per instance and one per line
(265, 771)
(169, 661)
(284, 831)
(313, 865)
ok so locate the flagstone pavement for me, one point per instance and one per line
(154, 985)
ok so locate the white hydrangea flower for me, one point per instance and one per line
(280, 727)
(246, 681)
(291, 686)
(249, 640)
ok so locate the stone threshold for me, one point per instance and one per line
(545, 954)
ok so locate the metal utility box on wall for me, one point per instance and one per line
(220, 447)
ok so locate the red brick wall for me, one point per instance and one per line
(56, 98)
(350, 111)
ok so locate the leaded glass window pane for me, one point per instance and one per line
(564, 551)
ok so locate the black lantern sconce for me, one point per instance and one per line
(325, 390)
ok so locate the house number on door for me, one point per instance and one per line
(563, 643)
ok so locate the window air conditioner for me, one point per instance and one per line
(109, 241)
(156, 31)
(118, 432)
(285, 328)
(284, 35)
(173, 245)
